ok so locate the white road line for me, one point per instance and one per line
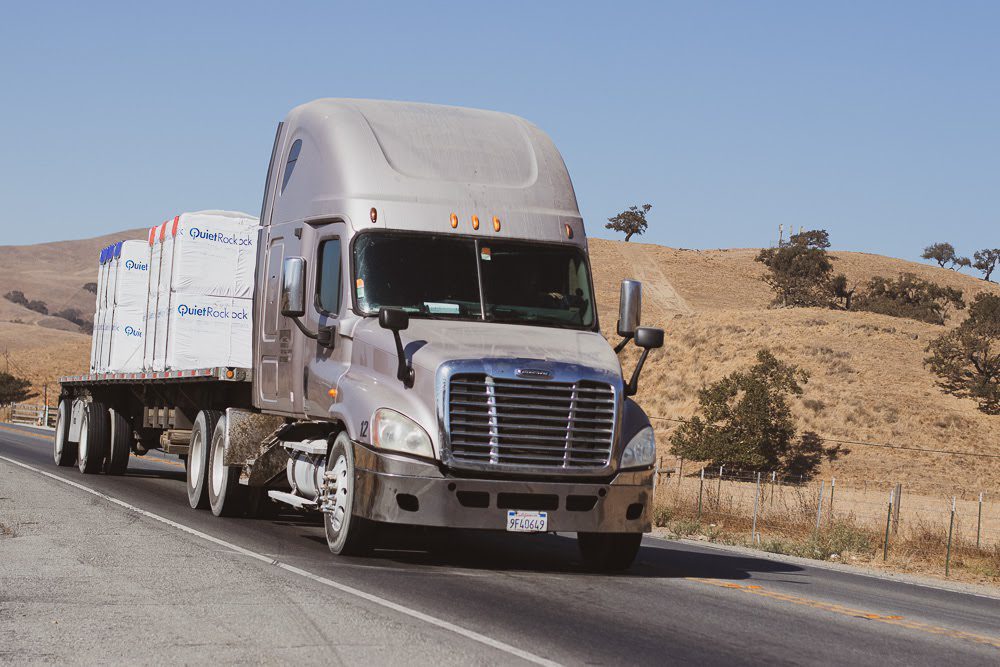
(374, 599)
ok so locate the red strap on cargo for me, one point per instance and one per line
(173, 232)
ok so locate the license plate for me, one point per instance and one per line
(521, 521)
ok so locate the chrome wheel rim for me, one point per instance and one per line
(218, 468)
(195, 459)
(336, 489)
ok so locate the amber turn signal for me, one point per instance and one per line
(332, 393)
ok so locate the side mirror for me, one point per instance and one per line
(397, 319)
(394, 319)
(293, 287)
(649, 338)
(629, 308)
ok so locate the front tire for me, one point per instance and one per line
(63, 451)
(120, 446)
(94, 438)
(197, 463)
(346, 534)
(225, 495)
(608, 552)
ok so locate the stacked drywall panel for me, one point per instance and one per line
(155, 246)
(206, 282)
(181, 299)
(128, 306)
(95, 339)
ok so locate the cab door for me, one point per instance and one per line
(328, 356)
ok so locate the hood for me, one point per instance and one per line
(433, 342)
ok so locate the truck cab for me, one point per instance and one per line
(425, 328)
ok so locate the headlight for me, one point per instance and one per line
(393, 431)
(641, 450)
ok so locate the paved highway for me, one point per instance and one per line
(518, 599)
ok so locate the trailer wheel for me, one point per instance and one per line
(63, 451)
(225, 495)
(197, 464)
(609, 552)
(120, 446)
(346, 534)
(94, 436)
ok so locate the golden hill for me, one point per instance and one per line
(867, 381)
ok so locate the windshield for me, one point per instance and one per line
(439, 276)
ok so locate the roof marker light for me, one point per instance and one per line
(373, 214)
(475, 222)
(454, 221)
(569, 231)
(496, 223)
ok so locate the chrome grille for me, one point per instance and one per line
(501, 421)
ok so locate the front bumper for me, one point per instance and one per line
(397, 489)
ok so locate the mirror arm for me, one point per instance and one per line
(632, 388)
(302, 328)
(624, 341)
(405, 372)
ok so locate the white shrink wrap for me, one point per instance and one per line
(208, 331)
(132, 276)
(107, 318)
(155, 254)
(126, 336)
(95, 336)
(213, 253)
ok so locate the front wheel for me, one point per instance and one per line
(346, 534)
(63, 451)
(609, 552)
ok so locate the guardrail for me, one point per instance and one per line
(32, 414)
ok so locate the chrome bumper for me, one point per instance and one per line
(396, 489)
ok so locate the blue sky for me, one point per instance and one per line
(877, 121)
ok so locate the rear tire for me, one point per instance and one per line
(225, 494)
(94, 438)
(609, 552)
(346, 534)
(197, 463)
(63, 451)
(120, 446)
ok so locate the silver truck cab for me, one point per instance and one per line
(425, 323)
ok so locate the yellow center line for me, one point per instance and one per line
(849, 611)
(48, 437)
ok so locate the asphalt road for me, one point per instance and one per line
(527, 598)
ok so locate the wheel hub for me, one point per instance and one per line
(334, 496)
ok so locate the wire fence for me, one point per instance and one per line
(765, 502)
(33, 414)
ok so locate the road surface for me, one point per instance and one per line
(498, 599)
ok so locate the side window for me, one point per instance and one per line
(293, 156)
(328, 277)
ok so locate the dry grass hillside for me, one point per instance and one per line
(867, 381)
(867, 377)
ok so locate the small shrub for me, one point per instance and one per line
(16, 296)
(90, 287)
(910, 297)
(37, 306)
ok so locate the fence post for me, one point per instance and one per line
(680, 472)
(888, 520)
(951, 526)
(819, 506)
(833, 488)
(979, 523)
(718, 492)
(895, 509)
(774, 476)
(756, 500)
(701, 487)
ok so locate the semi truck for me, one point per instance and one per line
(426, 349)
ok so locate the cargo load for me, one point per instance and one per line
(207, 331)
(153, 277)
(205, 257)
(130, 269)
